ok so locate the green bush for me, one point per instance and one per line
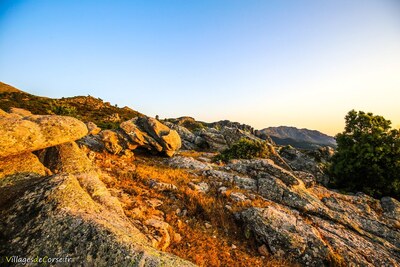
(193, 126)
(108, 125)
(63, 109)
(244, 149)
(368, 156)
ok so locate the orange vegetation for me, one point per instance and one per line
(209, 234)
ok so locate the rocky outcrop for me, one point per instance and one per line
(314, 241)
(218, 137)
(149, 133)
(70, 214)
(232, 124)
(309, 223)
(20, 134)
(143, 132)
(211, 139)
(219, 140)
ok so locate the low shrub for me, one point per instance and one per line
(193, 126)
(108, 125)
(63, 109)
(244, 149)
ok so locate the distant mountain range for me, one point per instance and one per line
(299, 138)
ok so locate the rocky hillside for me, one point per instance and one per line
(299, 138)
(85, 108)
(150, 193)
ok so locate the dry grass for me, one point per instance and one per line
(210, 235)
(190, 153)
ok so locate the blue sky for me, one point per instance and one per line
(266, 63)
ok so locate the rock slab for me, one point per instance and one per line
(30, 133)
(151, 134)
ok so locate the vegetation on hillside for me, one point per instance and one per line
(368, 156)
(245, 149)
(85, 108)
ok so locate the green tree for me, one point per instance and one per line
(368, 156)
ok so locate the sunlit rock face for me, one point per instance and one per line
(22, 132)
(153, 135)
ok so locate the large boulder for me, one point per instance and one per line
(20, 134)
(151, 134)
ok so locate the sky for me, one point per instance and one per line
(302, 63)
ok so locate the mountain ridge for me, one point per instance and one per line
(300, 138)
